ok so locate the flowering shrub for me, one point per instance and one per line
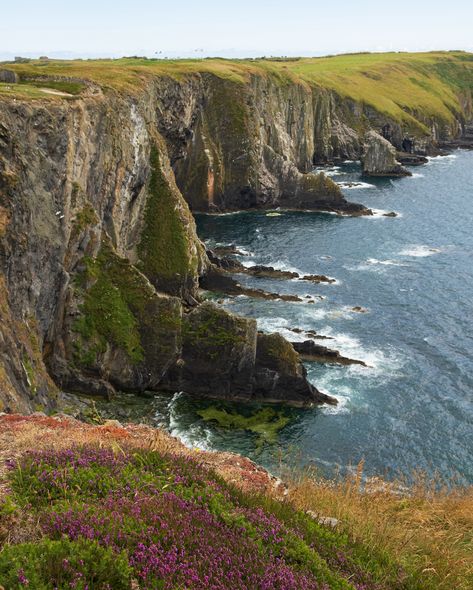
(63, 564)
(168, 523)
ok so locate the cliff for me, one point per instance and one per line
(101, 163)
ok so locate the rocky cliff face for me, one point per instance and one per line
(379, 157)
(100, 263)
(237, 146)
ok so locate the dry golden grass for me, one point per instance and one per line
(427, 526)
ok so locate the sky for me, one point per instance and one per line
(242, 28)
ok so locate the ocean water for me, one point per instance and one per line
(412, 408)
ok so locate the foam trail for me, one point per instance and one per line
(420, 251)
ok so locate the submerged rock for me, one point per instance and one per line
(379, 157)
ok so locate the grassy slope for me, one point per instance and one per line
(397, 84)
(139, 493)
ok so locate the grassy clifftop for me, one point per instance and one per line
(395, 84)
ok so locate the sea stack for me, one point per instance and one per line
(379, 157)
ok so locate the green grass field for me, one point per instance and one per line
(399, 85)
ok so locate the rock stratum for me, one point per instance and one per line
(101, 166)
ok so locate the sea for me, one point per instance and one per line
(410, 409)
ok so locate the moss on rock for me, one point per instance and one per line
(121, 309)
(276, 353)
(164, 248)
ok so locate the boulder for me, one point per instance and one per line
(9, 76)
(379, 157)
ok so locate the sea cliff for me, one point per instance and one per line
(101, 166)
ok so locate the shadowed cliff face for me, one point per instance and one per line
(248, 145)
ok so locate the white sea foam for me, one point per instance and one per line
(381, 363)
(357, 184)
(380, 214)
(448, 156)
(193, 436)
(417, 175)
(329, 171)
(285, 266)
(420, 251)
(244, 251)
(375, 265)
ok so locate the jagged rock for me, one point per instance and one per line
(281, 376)
(216, 279)
(317, 279)
(309, 350)
(390, 214)
(268, 271)
(411, 159)
(226, 250)
(223, 356)
(379, 157)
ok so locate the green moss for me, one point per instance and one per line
(266, 423)
(106, 313)
(121, 307)
(210, 329)
(86, 216)
(277, 353)
(107, 310)
(164, 248)
(30, 374)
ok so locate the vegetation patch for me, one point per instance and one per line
(277, 353)
(147, 519)
(164, 248)
(121, 307)
(209, 329)
(65, 86)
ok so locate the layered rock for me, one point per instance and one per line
(379, 157)
(309, 350)
(100, 264)
(239, 146)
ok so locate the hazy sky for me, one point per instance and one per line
(241, 27)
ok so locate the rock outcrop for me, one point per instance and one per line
(309, 350)
(9, 77)
(100, 265)
(239, 146)
(379, 157)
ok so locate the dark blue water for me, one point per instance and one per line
(413, 407)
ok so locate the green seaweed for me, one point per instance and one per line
(266, 423)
